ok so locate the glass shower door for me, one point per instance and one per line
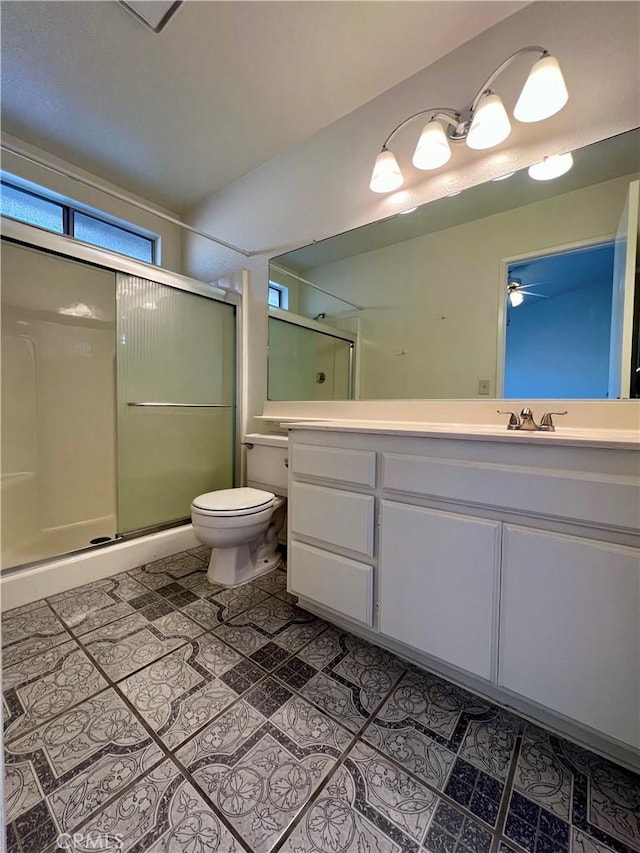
(176, 401)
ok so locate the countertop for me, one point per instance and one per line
(607, 438)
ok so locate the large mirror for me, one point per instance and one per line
(513, 288)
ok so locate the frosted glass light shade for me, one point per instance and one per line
(516, 297)
(386, 174)
(490, 125)
(433, 148)
(551, 167)
(544, 93)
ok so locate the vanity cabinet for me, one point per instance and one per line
(511, 565)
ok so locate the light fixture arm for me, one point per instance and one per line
(447, 113)
(486, 86)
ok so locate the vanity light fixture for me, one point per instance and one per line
(481, 125)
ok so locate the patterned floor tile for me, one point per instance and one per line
(40, 688)
(162, 813)
(540, 774)
(344, 675)
(201, 551)
(224, 605)
(95, 604)
(242, 676)
(600, 799)
(260, 772)
(272, 621)
(24, 608)
(29, 633)
(534, 828)
(167, 570)
(78, 761)
(275, 583)
(181, 692)
(452, 831)
(133, 642)
(368, 805)
(505, 848)
(582, 843)
(450, 738)
(477, 791)
(199, 584)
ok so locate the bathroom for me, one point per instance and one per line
(316, 189)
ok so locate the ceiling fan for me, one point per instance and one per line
(516, 291)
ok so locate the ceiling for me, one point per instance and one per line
(225, 87)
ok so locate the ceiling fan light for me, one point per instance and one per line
(516, 297)
(490, 125)
(544, 93)
(432, 150)
(386, 175)
(551, 167)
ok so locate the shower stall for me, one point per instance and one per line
(118, 398)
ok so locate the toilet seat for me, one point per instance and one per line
(233, 502)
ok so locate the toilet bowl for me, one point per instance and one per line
(241, 525)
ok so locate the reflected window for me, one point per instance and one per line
(278, 296)
(36, 209)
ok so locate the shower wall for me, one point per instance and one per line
(58, 405)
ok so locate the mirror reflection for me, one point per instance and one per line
(513, 288)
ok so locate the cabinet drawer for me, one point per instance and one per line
(340, 518)
(343, 585)
(595, 498)
(342, 465)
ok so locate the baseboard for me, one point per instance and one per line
(23, 586)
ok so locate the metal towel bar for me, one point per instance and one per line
(184, 405)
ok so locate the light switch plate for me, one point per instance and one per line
(484, 387)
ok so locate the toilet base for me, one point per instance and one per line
(238, 565)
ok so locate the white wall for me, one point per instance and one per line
(436, 298)
(170, 235)
(320, 187)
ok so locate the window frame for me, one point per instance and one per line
(70, 208)
(283, 295)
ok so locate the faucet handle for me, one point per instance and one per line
(546, 424)
(514, 420)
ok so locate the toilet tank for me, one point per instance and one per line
(267, 462)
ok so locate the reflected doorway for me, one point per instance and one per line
(558, 325)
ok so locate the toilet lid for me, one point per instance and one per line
(234, 501)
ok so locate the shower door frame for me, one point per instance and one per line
(34, 237)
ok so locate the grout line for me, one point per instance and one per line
(508, 785)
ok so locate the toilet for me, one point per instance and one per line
(241, 525)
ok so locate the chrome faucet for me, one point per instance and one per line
(525, 420)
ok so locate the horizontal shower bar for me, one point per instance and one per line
(185, 405)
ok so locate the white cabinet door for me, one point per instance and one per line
(438, 582)
(570, 634)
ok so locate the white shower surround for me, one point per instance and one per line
(26, 585)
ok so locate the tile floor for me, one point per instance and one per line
(153, 712)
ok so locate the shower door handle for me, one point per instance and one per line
(183, 405)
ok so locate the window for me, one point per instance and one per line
(278, 296)
(36, 209)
